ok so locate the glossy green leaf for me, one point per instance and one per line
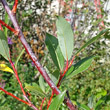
(42, 83)
(92, 40)
(18, 58)
(4, 49)
(35, 90)
(57, 101)
(54, 49)
(81, 66)
(70, 70)
(65, 37)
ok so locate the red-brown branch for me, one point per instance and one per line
(66, 69)
(8, 93)
(22, 89)
(49, 102)
(42, 103)
(17, 77)
(61, 76)
(7, 26)
(15, 6)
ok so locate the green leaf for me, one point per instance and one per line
(18, 58)
(41, 83)
(100, 94)
(54, 49)
(7, 22)
(65, 37)
(98, 104)
(92, 40)
(70, 70)
(81, 66)
(56, 73)
(57, 101)
(55, 76)
(83, 106)
(4, 49)
(35, 90)
(107, 35)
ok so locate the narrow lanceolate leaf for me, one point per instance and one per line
(7, 22)
(4, 49)
(19, 56)
(65, 37)
(57, 101)
(81, 66)
(4, 67)
(42, 83)
(92, 40)
(55, 51)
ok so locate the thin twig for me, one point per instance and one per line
(7, 26)
(22, 89)
(49, 102)
(8, 93)
(17, 77)
(15, 6)
(42, 103)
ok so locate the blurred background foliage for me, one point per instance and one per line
(35, 19)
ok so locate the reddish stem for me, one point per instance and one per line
(66, 69)
(71, 61)
(15, 6)
(8, 93)
(42, 103)
(17, 77)
(49, 102)
(7, 26)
